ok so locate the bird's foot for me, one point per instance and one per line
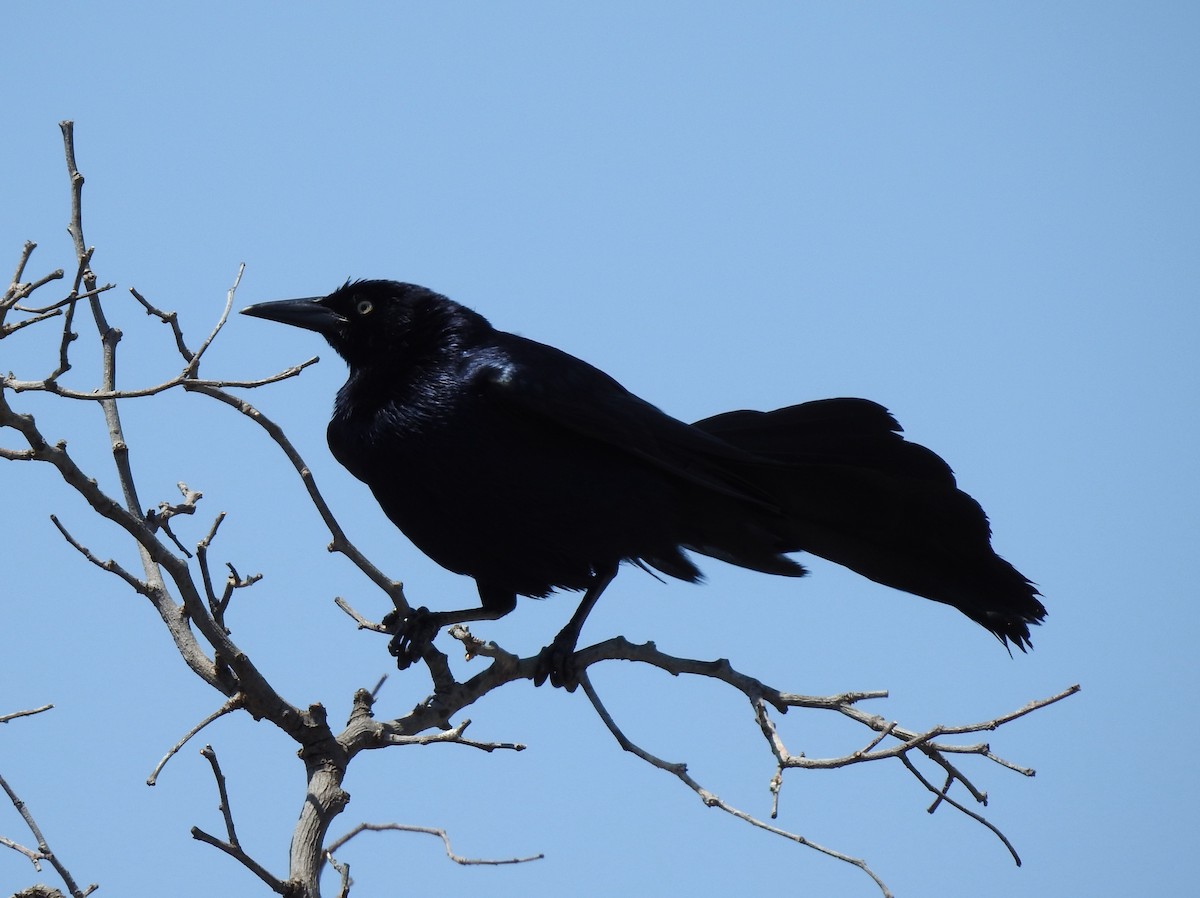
(557, 662)
(413, 634)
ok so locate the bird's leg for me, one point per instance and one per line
(556, 660)
(417, 629)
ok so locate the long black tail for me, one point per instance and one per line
(856, 493)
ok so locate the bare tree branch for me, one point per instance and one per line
(393, 588)
(710, 799)
(50, 385)
(943, 796)
(110, 565)
(427, 830)
(16, 289)
(231, 846)
(232, 704)
(7, 329)
(65, 301)
(169, 318)
(455, 735)
(363, 623)
(35, 857)
(193, 364)
(43, 852)
(5, 718)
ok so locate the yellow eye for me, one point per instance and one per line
(364, 307)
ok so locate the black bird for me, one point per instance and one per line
(529, 470)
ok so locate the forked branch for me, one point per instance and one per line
(43, 851)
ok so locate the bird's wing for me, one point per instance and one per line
(533, 379)
(830, 431)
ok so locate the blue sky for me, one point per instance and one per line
(984, 216)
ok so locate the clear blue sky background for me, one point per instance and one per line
(985, 216)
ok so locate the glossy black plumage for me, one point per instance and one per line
(529, 471)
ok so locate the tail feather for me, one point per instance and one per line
(855, 492)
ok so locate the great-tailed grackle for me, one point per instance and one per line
(529, 470)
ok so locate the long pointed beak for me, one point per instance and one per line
(308, 313)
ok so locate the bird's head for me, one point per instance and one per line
(369, 321)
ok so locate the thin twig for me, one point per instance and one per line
(10, 295)
(710, 799)
(17, 290)
(43, 848)
(340, 543)
(231, 846)
(363, 623)
(193, 364)
(431, 831)
(224, 806)
(110, 565)
(205, 573)
(35, 857)
(242, 858)
(49, 386)
(455, 735)
(234, 703)
(66, 300)
(5, 718)
(64, 345)
(942, 796)
(7, 329)
(170, 318)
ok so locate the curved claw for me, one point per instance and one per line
(413, 635)
(557, 662)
